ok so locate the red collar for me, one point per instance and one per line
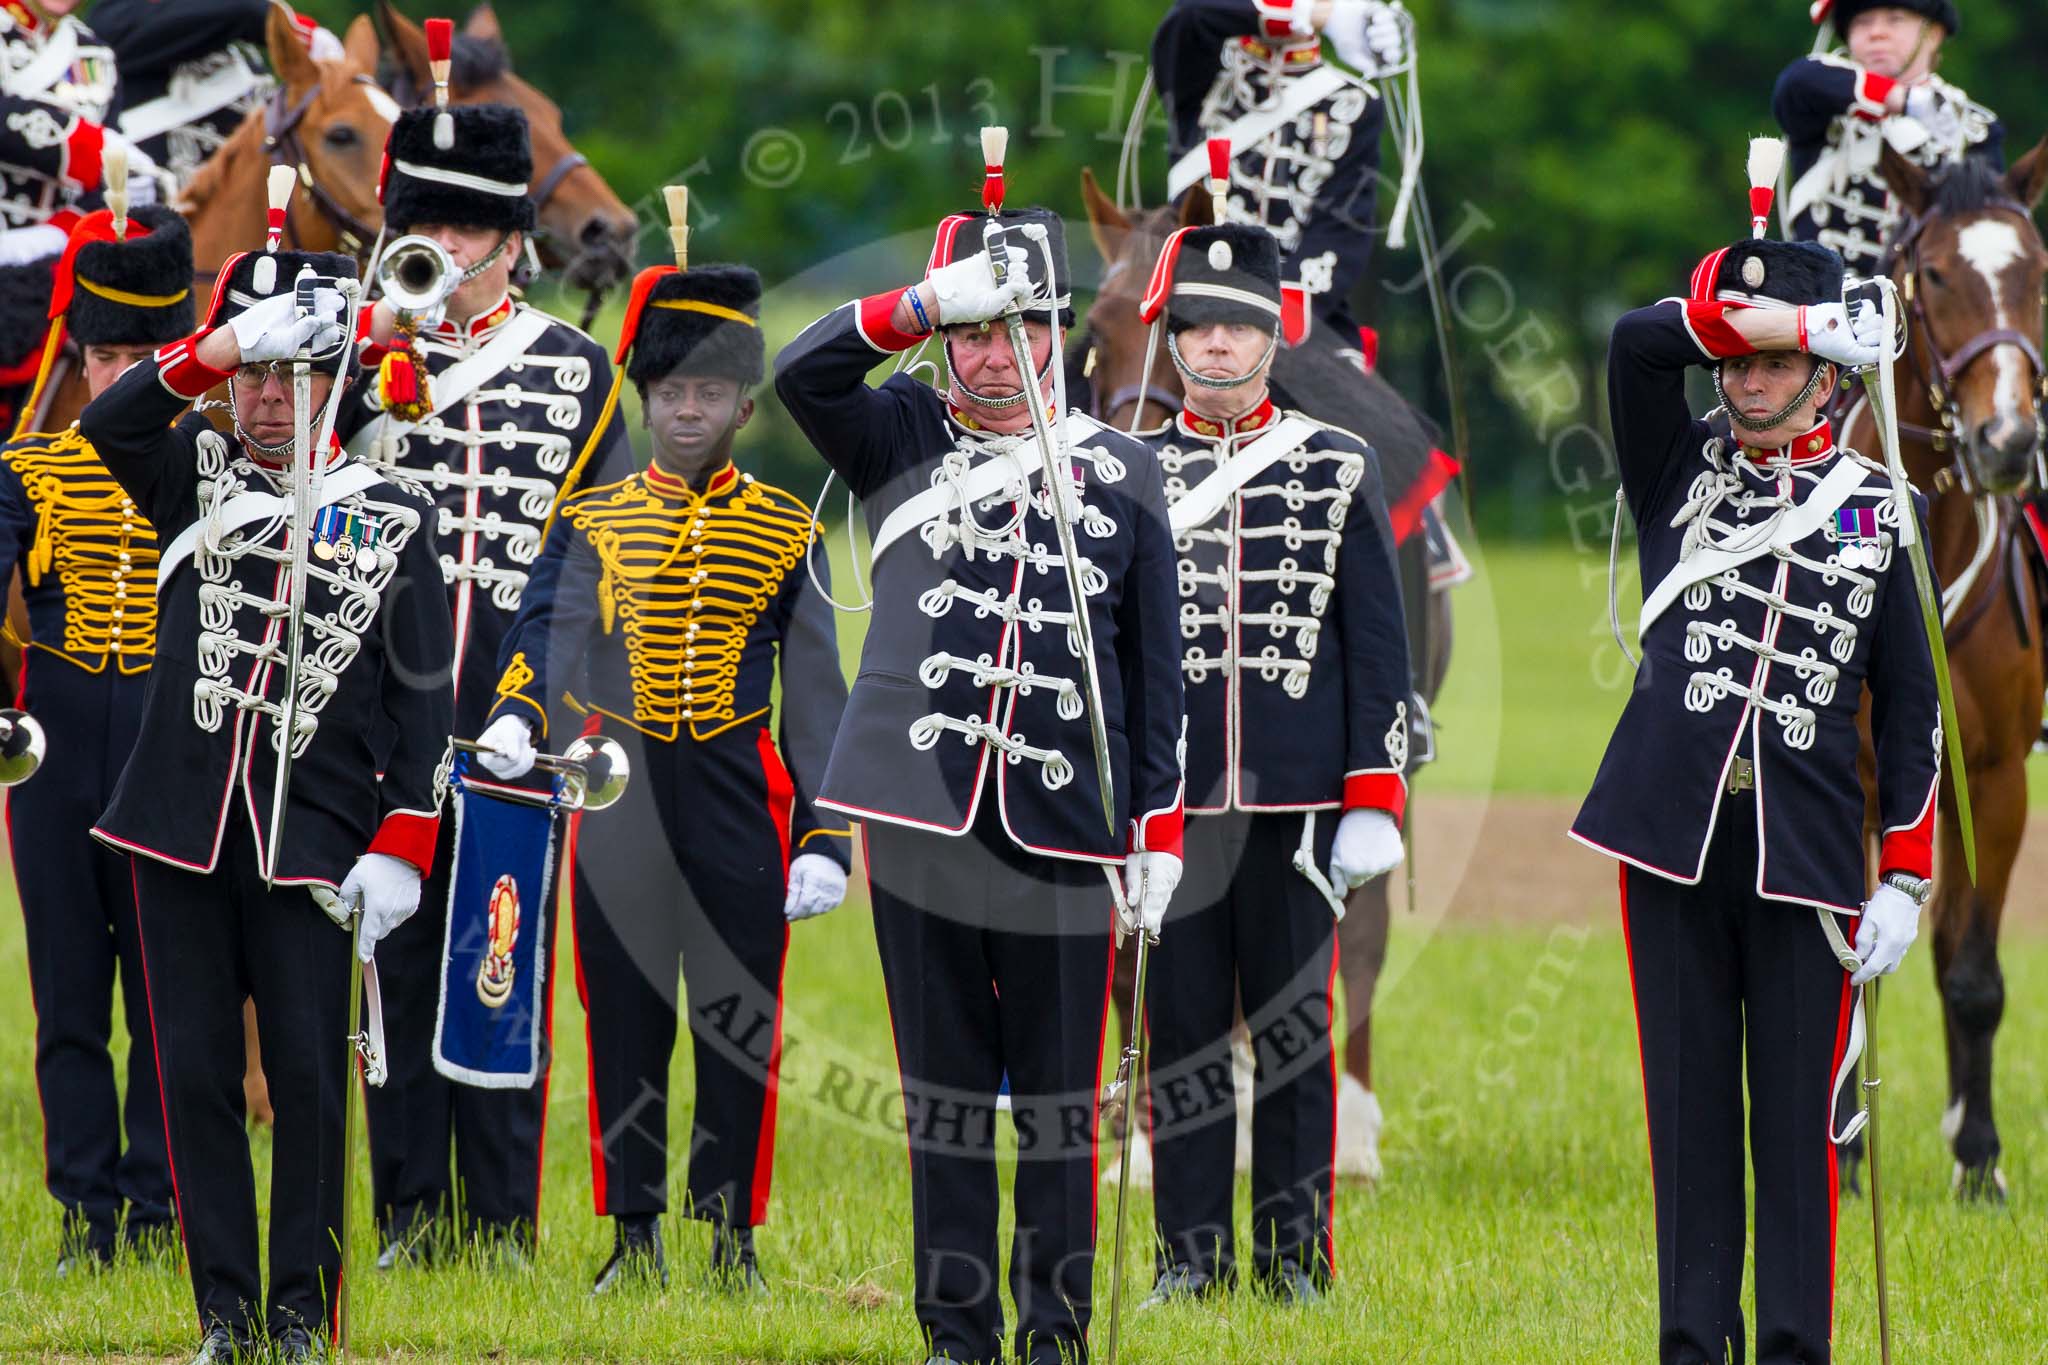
(1191, 425)
(974, 424)
(1817, 443)
(24, 18)
(335, 455)
(669, 486)
(1289, 56)
(481, 323)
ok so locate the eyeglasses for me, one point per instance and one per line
(254, 374)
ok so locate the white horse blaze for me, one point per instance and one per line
(1992, 247)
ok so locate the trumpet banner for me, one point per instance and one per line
(491, 1023)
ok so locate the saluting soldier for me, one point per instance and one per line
(1294, 657)
(967, 755)
(1839, 110)
(87, 557)
(1305, 134)
(1776, 594)
(516, 409)
(219, 920)
(667, 603)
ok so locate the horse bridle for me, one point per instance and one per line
(1939, 372)
(282, 143)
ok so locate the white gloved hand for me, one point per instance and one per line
(388, 889)
(1849, 338)
(966, 290)
(1367, 35)
(1149, 880)
(510, 741)
(1890, 923)
(273, 330)
(816, 884)
(1368, 843)
(1921, 102)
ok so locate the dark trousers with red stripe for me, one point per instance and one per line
(996, 961)
(209, 940)
(418, 1115)
(1727, 983)
(690, 866)
(1244, 924)
(78, 915)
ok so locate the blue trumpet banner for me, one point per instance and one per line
(493, 1009)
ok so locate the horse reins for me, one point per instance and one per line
(282, 143)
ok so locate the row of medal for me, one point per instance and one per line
(1856, 535)
(340, 535)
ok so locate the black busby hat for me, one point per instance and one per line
(246, 280)
(468, 165)
(704, 321)
(1226, 273)
(24, 311)
(1768, 273)
(127, 291)
(963, 234)
(1844, 12)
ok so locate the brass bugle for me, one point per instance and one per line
(417, 274)
(22, 745)
(594, 773)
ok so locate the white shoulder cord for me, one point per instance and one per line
(1407, 119)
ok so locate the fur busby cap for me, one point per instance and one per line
(136, 291)
(479, 180)
(1772, 274)
(1205, 275)
(704, 321)
(237, 289)
(1844, 12)
(24, 311)
(963, 234)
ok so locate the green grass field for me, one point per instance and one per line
(1513, 1225)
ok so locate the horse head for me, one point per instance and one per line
(583, 225)
(1118, 341)
(1969, 263)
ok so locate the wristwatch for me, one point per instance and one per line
(1918, 888)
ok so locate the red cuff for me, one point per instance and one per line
(1159, 832)
(1280, 19)
(82, 151)
(368, 351)
(1872, 90)
(183, 373)
(1708, 323)
(1911, 849)
(875, 314)
(1405, 516)
(1377, 791)
(409, 836)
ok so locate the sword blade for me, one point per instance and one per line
(1134, 1054)
(299, 471)
(348, 1146)
(1871, 1081)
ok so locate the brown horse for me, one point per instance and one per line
(584, 228)
(1115, 342)
(1969, 264)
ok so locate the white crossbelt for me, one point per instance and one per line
(1249, 129)
(188, 102)
(461, 379)
(53, 61)
(984, 480)
(1206, 498)
(244, 508)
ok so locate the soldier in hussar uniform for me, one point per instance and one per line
(1295, 660)
(967, 754)
(666, 603)
(518, 410)
(1776, 593)
(222, 917)
(88, 566)
(1840, 109)
(1305, 135)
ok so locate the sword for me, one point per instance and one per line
(356, 1042)
(1129, 1066)
(1056, 481)
(1871, 1082)
(1884, 399)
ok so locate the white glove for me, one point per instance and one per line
(816, 884)
(273, 330)
(1368, 843)
(510, 741)
(1848, 338)
(144, 176)
(388, 889)
(1890, 923)
(967, 290)
(1149, 880)
(1368, 35)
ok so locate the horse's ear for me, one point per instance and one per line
(360, 42)
(1104, 217)
(2029, 175)
(1196, 208)
(1907, 180)
(406, 41)
(483, 24)
(289, 57)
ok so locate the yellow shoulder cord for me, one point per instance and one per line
(575, 475)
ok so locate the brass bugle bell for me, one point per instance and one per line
(417, 274)
(594, 772)
(22, 745)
